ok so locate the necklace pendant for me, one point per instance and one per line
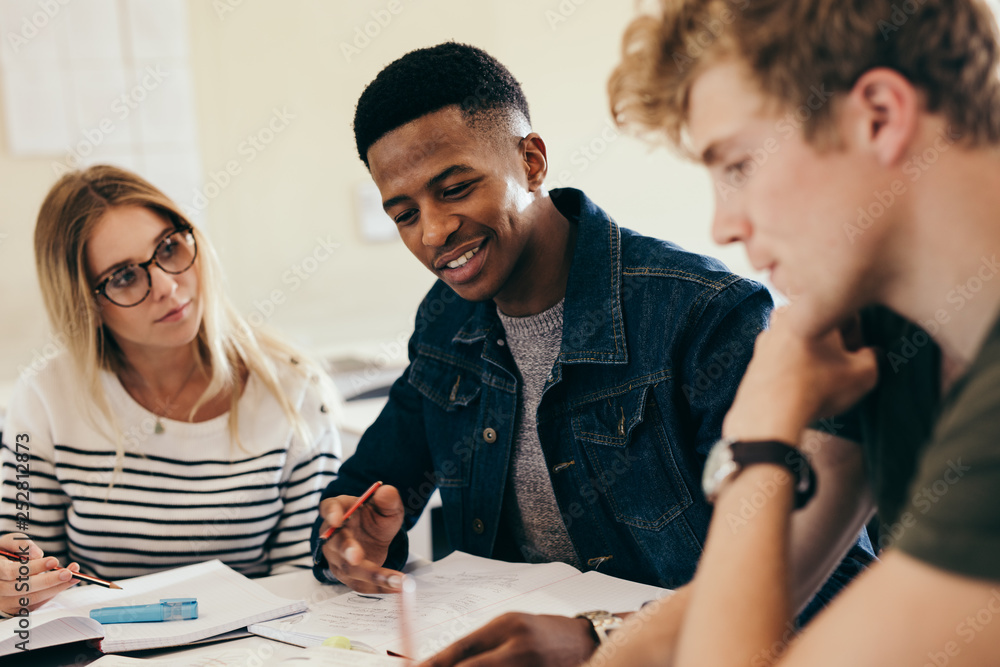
(158, 429)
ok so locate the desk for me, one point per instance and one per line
(259, 652)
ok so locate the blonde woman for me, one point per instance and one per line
(168, 431)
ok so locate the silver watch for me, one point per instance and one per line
(602, 623)
(719, 467)
(728, 457)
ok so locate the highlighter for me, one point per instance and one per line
(169, 609)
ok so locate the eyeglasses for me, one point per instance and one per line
(130, 285)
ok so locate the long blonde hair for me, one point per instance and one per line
(226, 346)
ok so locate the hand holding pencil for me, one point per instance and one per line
(359, 544)
(45, 578)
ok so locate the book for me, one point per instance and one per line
(227, 601)
(455, 596)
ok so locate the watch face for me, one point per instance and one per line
(719, 466)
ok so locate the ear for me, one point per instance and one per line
(883, 110)
(535, 160)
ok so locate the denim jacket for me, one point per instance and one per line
(655, 342)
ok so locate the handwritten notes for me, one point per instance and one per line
(455, 596)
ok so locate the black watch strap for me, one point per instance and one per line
(773, 451)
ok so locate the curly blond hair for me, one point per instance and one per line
(948, 49)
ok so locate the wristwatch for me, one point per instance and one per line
(602, 622)
(728, 457)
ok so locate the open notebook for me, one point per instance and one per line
(455, 596)
(226, 601)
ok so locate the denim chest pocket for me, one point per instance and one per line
(450, 385)
(633, 463)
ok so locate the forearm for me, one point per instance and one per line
(741, 584)
(825, 529)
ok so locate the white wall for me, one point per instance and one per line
(287, 55)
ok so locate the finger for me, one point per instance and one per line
(346, 559)
(486, 638)
(335, 547)
(38, 582)
(865, 365)
(332, 510)
(16, 542)
(381, 584)
(13, 604)
(386, 501)
(348, 548)
(370, 578)
(11, 570)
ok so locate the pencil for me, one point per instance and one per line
(328, 533)
(76, 575)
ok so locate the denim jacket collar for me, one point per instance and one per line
(593, 329)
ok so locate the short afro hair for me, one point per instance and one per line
(427, 80)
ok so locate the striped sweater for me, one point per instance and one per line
(186, 495)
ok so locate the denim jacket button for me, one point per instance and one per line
(478, 526)
(500, 342)
(490, 436)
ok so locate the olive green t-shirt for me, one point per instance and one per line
(934, 463)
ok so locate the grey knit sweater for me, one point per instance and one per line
(529, 505)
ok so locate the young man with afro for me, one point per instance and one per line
(567, 376)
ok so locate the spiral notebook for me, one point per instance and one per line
(226, 601)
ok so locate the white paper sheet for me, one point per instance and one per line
(455, 596)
